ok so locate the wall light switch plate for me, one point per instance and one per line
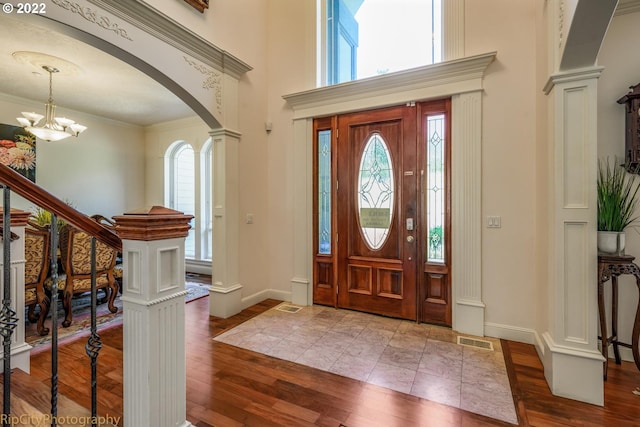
(494, 221)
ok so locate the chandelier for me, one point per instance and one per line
(54, 128)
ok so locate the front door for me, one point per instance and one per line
(381, 212)
(377, 208)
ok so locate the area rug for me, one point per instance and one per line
(417, 359)
(196, 287)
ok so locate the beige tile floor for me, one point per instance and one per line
(417, 359)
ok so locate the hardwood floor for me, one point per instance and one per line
(227, 386)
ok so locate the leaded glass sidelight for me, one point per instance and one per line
(435, 188)
(324, 192)
(375, 191)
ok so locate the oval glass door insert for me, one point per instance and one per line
(375, 191)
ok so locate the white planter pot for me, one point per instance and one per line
(611, 242)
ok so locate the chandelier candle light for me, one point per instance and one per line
(54, 128)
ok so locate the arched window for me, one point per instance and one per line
(182, 187)
(189, 189)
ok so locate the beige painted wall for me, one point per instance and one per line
(241, 28)
(509, 170)
(276, 39)
(542, 163)
(622, 69)
(509, 143)
(102, 171)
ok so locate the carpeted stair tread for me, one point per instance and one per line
(31, 399)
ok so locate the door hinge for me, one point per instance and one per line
(337, 184)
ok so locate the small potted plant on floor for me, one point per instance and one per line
(617, 203)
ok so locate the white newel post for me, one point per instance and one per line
(153, 302)
(20, 350)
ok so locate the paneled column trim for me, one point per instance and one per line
(466, 214)
(571, 341)
(226, 291)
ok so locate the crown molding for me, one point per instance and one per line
(431, 81)
(627, 6)
(159, 25)
(572, 76)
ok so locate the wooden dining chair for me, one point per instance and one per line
(36, 252)
(75, 250)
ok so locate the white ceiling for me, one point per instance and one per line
(94, 82)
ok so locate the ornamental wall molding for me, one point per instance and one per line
(213, 80)
(93, 17)
(162, 27)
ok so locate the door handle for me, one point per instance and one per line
(410, 239)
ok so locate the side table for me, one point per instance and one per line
(609, 268)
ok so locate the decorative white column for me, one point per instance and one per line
(572, 362)
(153, 302)
(301, 282)
(225, 293)
(20, 350)
(466, 213)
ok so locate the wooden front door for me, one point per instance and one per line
(377, 208)
(382, 213)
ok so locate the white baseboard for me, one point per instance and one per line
(516, 333)
(266, 294)
(539, 344)
(199, 267)
(511, 333)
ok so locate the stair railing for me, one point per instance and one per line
(13, 181)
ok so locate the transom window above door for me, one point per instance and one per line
(365, 38)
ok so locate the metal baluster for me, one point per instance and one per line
(94, 344)
(54, 319)
(8, 317)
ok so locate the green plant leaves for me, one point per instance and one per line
(617, 197)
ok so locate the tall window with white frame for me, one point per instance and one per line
(365, 38)
(188, 188)
(182, 194)
(206, 228)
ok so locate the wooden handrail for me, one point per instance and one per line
(40, 197)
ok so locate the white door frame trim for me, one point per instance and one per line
(459, 79)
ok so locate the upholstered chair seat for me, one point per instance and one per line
(75, 250)
(36, 269)
(79, 286)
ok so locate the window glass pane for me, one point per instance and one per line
(342, 42)
(373, 37)
(207, 232)
(375, 192)
(435, 188)
(184, 191)
(346, 70)
(324, 192)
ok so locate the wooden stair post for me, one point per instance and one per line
(153, 303)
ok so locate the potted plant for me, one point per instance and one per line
(617, 203)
